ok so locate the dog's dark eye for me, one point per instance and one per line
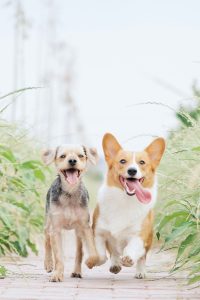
(142, 162)
(80, 155)
(122, 161)
(63, 156)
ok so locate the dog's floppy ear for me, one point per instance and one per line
(91, 154)
(48, 156)
(155, 151)
(110, 146)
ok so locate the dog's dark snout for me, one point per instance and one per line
(72, 162)
(132, 171)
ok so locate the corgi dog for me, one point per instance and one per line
(123, 217)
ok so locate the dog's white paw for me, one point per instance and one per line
(140, 275)
(127, 261)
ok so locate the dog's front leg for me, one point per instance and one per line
(48, 260)
(79, 256)
(89, 241)
(101, 248)
(56, 244)
(114, 257)
(133, 251)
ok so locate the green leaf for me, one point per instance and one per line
(172, 202)
(158, 235)
(7, 153)
(177, 267)
(185, 243)
(178, 231)
(32, 246)
(179, 221)
(20, 91)
(194, 252)
(39, 175)
(6, 244)
(18, 182)
(195, 270)
(20, 249)
(196, 149)
(5, 220)
(3, 272)
(31, 164)
(168, 218)
(194, 279)
(20, 205)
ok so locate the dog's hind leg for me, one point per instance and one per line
(78, 258)
(140, 268)
(48, 259)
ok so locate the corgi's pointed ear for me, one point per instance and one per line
(155, 151)
(110, 146)
(91, 154)
(48, 156)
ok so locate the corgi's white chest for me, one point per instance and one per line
(121, 214)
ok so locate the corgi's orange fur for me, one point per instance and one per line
(123, 218)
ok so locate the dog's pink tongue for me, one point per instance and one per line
(72, 177)
(143, 195)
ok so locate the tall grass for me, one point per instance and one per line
(178, 221)
(22, 188)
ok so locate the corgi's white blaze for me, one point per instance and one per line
(134, 165)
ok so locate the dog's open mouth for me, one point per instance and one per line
(71, 175)
(133, 186)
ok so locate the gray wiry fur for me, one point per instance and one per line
(80, 196)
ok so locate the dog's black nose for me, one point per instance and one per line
(132, 171)
(72, 162)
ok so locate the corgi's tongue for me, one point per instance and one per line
(134, 187)
(72, 176)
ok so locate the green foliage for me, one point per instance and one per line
(3, 272)
(193, 113)
(22, 191)
(178, 221)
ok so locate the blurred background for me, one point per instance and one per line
(97, 63)
(71, 70)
